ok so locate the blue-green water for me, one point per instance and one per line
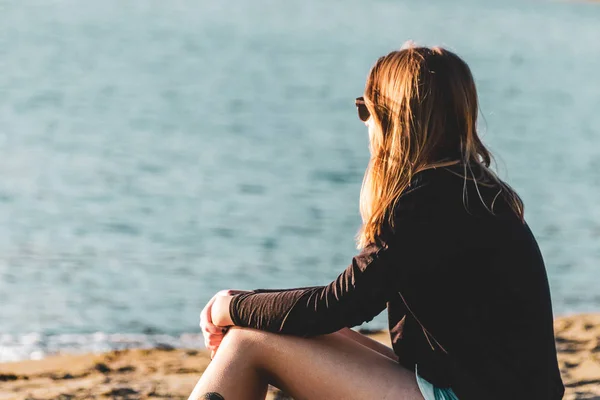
(154, 152)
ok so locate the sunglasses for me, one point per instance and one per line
(361, 107)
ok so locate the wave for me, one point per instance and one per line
(35, 346)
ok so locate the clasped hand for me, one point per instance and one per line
(215, 320)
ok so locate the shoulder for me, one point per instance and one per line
(456, 191)
(430, 188)
(435, 202)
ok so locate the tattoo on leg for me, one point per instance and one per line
(212, 396)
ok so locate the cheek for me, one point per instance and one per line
(371, 128)
(373, 133)
(370, 140)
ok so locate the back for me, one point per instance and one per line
(478, 285)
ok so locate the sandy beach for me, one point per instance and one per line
(171, 373)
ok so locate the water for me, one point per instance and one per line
(155, 152)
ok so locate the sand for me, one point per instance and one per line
(172, 373)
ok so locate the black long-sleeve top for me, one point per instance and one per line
(466, 291)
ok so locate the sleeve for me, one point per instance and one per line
(355, 296)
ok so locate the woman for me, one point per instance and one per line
(444, 247)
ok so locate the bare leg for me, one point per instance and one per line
(329, 367)
(367, 342)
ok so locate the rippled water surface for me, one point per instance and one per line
(155, 152)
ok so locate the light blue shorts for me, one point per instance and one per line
(431, 392)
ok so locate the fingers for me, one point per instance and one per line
(206, 319)
(213, 335)
(213, 344)
(212, 341)
(205, 315)
(206, 323)
(211, 329)
(215, 338)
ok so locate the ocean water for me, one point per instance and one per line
(153, 153)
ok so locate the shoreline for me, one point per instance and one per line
(172, 372)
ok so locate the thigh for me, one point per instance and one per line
(368, 342)
(333, 367)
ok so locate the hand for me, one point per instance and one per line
(214, 333)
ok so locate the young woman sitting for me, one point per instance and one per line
(444, 247)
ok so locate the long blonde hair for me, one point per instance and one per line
(423, 102)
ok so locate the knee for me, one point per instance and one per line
(243, 339)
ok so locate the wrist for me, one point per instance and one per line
(220, 311)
